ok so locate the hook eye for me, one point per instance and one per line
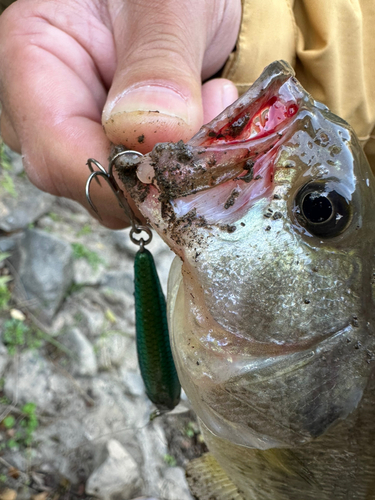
(141, 241)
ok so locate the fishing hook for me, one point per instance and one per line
(137, 227)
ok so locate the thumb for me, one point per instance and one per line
(156, 90)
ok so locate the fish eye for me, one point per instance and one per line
(321, 209)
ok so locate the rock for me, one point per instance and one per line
(17, 314)
(24, 207)
(130, 361)
(83, 359)
(119, 281)
(63, 447)
(85, 274)
(118, 476)
(4, 358)
(146, 498)
(16, 458)
(93, 318)
(174, 485)
(153, 443)
(122, 305)
(31, 378)
(112, 349)
(40, 496)
(44, 270)
(82, 309)
(115, 412)
(15, 160)
(133, 383)
(7, 244)
(8, 494)
(72, 206)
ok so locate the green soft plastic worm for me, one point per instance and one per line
(153, 346)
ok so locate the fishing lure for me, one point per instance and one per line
(152, 336)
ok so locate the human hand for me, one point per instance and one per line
(134, 65)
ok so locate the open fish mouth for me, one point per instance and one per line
(233, 156)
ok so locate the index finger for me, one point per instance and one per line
(53, 97)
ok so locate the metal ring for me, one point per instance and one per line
(118, 155)
(141, 242)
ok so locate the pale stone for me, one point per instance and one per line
(117, 476)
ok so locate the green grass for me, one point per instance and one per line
(54, 216)
(4, 160)
(29, 423)
(169, 460)
(74, 287)
(5, 294)
(9, 422)
(17, 334)
(86, 229)
(23, 427)
(82, 252)
(6, 182)
(191, 430)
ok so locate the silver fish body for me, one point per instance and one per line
(270, 211)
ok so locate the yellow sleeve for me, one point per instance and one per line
(330, 44)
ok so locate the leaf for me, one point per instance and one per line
(9, 421)
(4, 280)
(29, 408)
(110, 316)
(7, 183)
(4, 255)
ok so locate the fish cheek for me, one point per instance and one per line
(275, 289)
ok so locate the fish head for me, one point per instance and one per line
(269, 209)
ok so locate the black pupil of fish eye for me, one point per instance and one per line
(316, 207)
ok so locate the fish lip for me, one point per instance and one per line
(271, 349)
(279, 349)
(245, 362)
(190, 156)
(269, 82)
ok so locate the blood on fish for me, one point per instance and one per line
(244, 127)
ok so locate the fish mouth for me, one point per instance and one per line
(233, 156)
(229, 340)
(275, 349)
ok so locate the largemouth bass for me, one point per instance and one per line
(269, 209)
